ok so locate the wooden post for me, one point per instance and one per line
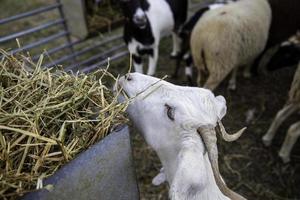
(74, 11)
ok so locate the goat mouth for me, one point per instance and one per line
(143, 26)
(125, 94)
(120, 89)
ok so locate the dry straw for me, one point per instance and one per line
(47, 117)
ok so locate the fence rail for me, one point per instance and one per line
(30, 13)
(71, 59)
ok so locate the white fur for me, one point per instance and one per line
(228, 37)
(162, 23)
(177, 143)
(139, 12)
(216, 5)
(188, 71)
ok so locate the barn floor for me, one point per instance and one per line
(247, 166)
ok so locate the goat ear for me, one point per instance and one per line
(220, 106)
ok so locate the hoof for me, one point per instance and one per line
(247, 74)
(174, 55)
(267, 142)
(284, 157)
(232, 87)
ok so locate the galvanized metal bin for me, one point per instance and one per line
(103, 172)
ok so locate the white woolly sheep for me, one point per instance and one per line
(291, 106)
(185, 36)
(180, 124)
(227, 37)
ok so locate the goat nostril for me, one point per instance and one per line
(140, 20)
(128, 77)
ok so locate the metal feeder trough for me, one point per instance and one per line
(103, 172)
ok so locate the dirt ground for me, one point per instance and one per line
(247, 166)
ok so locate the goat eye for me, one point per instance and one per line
(170, 112)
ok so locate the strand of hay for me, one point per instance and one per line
(47, 117)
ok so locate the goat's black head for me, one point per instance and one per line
(134, 11)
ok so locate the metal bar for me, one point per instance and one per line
(31, 30)
(99, 64)
(39, 42)
(80, 52)
(95, 57)
(30, 13)
(56, 49)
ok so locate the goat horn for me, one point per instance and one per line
(208, 135)
(230, 137)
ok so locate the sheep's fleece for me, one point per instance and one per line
(168, 117)
(228, 37)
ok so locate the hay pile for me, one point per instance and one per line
(47, 118)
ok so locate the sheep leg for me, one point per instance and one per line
(232, 81)
(284, 113)
(247, 70)
(289, 141)
(153, 62)
(199, 79)
(137, 63)
(189, 74)
(211, 83)
(176, 45)
(264, 61)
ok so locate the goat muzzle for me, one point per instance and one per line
(208, 135)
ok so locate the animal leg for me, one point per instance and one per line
(284, 113)
(189, 74)
(178, 62)
(264, 61)
(176, 45)
(289, 141)
(211, 83)
(153, 62)
(214, 79)
(189, 68)
(247, 70)
(137, 63)
(199, 80)
(232, 81)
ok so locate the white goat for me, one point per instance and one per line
(292, 106)
(180, 123)
(227, 37)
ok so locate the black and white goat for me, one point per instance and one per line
(146, 22)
